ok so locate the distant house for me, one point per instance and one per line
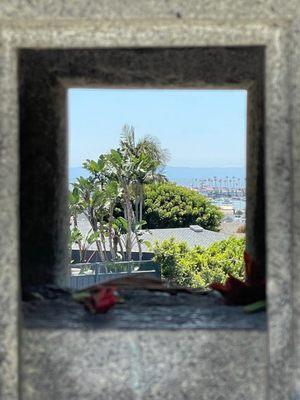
(193, 236)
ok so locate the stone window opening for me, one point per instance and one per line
(46, 75)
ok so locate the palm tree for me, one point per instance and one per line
(148, 159)
(91, 200)
(122, 169)
(118, 176)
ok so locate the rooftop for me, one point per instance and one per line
(190, 235)
(203, 238)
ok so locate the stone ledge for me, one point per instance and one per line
(144, 310)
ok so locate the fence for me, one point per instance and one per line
(92, 273)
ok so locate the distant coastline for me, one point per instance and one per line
(182, 175)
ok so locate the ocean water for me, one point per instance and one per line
(183, 175)
(189, 177)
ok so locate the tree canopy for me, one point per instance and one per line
(117, 178)
(167, 205)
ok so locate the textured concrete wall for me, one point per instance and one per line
(153, 346)
(78, 24)
(44, 78)
(295, 127)
(133, 365)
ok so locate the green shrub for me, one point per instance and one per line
(167, 254)
(198, 267)
(168, 205)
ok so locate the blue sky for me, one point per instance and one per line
(200, 128)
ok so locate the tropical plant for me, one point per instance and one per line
(91, 200)
(148, 158)
(117, 179)
(83, 242)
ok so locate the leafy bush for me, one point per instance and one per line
(167, 254)
(168, 205)
(198, 267)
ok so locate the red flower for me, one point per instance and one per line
(239, 292)
(99, 300)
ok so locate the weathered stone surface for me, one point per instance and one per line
(295, 154)
(44, 76)
(144, 310)
(128, 10)
(155, 345)
(129, 365)
(9, 239)
(166, 357)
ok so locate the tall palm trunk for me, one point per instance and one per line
(137, 201)
(93, 222)
(103, 240)
(139, 247)
(119, 242)
(140, 218)
(81, 253)
(141, 202)
(128, 207)
(79, 243)
(103, 245)
(110, 232)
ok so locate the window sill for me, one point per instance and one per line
(145, 310)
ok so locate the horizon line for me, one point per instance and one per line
(183, 166)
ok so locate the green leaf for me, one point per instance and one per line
(255, 307)
(116, 157)
(148, 244)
